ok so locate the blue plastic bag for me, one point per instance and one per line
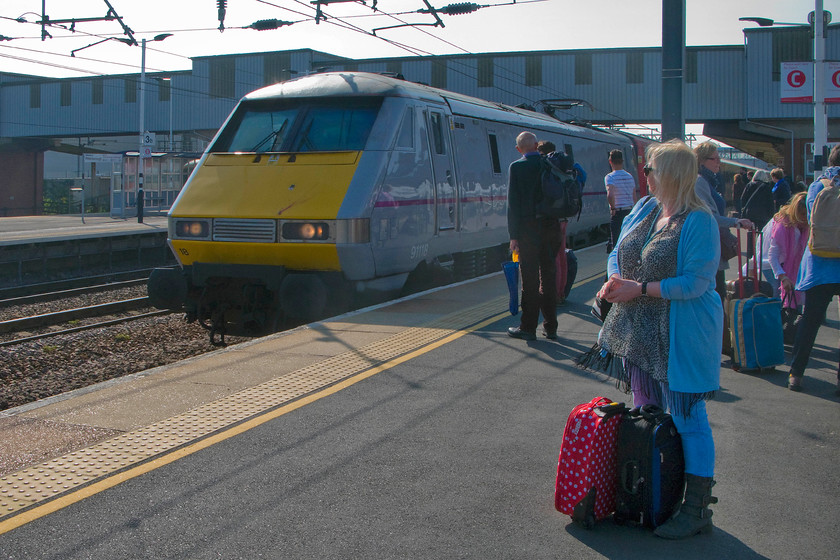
(512, 276)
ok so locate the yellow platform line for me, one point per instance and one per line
(122, 472)
(103, 466)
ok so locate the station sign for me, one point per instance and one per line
(797, 82)
(832, 75)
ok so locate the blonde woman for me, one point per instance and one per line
(787, 245)
(662, 279)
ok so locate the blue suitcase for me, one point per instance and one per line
(754, 321)
(757, 337)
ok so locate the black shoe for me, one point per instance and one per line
(516, 332)
(551, 335)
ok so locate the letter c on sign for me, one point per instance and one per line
(835, 79)
(796, 78)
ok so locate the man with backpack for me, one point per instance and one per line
(819, 271)
(535, 238)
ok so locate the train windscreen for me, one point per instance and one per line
(299, 125)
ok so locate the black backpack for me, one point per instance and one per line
(562, 194)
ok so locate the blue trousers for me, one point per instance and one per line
(695, 431)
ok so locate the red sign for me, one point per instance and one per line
(797, 84)
(832, 87)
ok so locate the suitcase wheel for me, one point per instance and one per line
(587, 522)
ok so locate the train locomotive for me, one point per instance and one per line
(347, 186)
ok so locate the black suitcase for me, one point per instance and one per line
(651, 468)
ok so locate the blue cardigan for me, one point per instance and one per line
(696, 317)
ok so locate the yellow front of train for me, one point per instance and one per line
(256, 227)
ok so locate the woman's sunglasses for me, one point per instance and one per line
(646, 170)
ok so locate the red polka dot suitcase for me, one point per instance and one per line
(586, 468)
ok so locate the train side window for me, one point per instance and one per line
(494, 154)
(436, 121)
(405, 138)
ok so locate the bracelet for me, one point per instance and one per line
(644, 288)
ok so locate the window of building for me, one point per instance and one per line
(583, 68)
(223, 77)
(791, 45)
(635, 67)
(66, 94)
(690, 67)
(439, 73)
(164, 89)
(485, 71)
(97, 93)
(494, 154)
(34, 96)
(533, 70)
(130, 90)
(276, 67)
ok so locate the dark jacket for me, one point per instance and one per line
(524, 192)
(757, 203)
(781, 193)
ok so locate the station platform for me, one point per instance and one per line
(413, 429)
(17, 230)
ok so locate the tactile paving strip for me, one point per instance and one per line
(37, 484)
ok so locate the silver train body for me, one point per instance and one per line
(399, 180)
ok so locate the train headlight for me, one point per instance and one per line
(192, 229)
(306, 231)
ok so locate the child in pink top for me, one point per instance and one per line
(787, 245)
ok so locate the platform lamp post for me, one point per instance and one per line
(141, 156)
(817, 20)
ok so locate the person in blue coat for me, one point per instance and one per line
(662, 337)
(819, 278)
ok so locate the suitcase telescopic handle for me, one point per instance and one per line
(611, 409)
(630, 479)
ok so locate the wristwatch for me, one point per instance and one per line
(644, 288)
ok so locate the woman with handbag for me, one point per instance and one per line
(662, 276)
(788, 240)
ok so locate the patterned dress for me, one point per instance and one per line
(638, 331)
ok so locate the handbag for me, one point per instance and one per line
(600, 308)
(728, 244)
(790, 318)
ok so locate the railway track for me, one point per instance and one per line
(58, 308)
(103, 281)
(47, 320)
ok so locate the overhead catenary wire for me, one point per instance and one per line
(503, 72)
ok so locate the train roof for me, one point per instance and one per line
(351, 84)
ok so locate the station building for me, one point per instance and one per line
(60, 133)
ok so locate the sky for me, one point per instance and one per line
(496, 27)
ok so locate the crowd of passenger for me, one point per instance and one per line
(664, 273)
